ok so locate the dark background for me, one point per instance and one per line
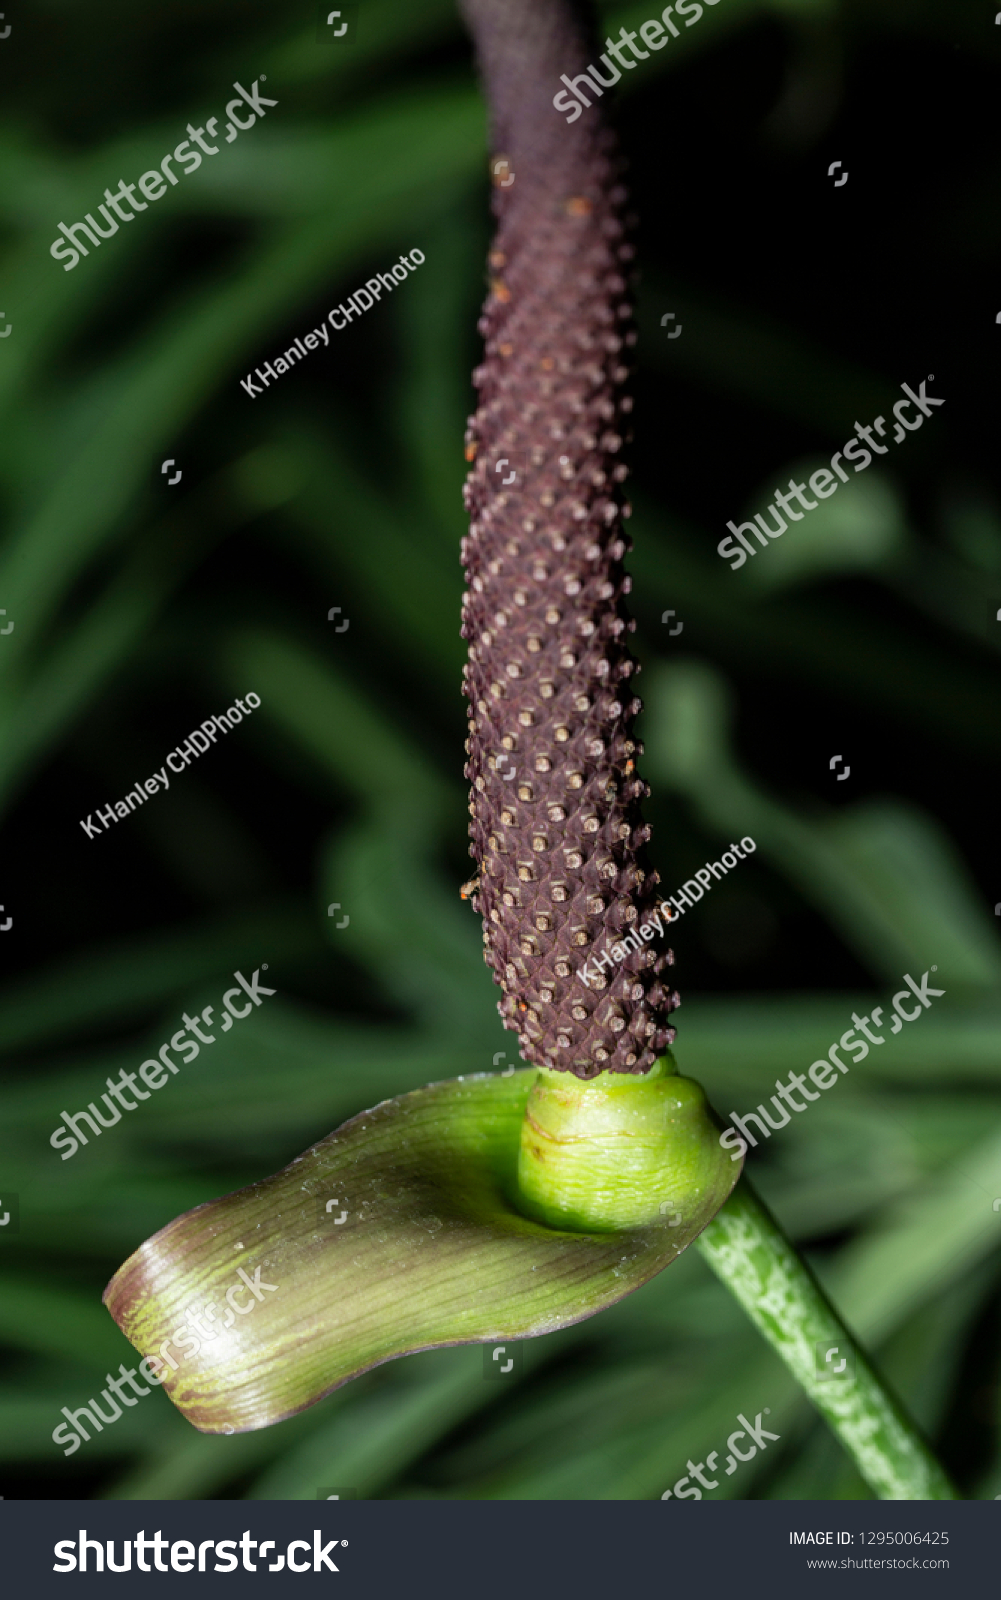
(869, 631)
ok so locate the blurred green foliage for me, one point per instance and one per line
(139, 610)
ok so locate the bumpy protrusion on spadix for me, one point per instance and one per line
(622, 1151)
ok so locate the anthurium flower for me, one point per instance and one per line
(495, 1207)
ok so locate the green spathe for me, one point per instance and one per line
(434, 1249)
(620, 1151)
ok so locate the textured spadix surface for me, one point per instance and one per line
(432, 1251)
(556, 832)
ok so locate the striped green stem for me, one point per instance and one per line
(746, 1249)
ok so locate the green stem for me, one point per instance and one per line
(746, 1249)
